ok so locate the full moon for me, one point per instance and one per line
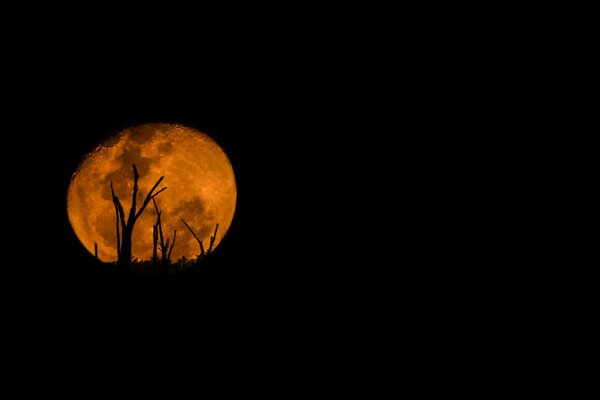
(200, 183)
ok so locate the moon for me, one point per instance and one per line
(200, 181)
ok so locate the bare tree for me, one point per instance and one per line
(165, 247)
(126, 227)
(203, 253)
(154, 248)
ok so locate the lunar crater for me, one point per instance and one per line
(200, 180)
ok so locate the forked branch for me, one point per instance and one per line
(125, 230)
(166, 247)
(150, 196)
(212, 240)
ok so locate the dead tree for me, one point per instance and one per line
(165, 247)
(203, 253)
(154, 247)
(126, 226)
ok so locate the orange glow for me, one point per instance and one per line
(200, 182)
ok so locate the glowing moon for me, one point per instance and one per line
(200, 182)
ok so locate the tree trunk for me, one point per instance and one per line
(154, 248)
(125, 258)
(124, 249)
(165, 264)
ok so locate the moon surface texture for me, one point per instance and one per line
(200, 183)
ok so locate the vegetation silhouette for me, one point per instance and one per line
(126, 263)
(203, 254)
(165, 247)
(149, 268)
(124, 255)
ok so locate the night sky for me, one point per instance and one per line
(370, 159)
(314, 172)
(273, 247)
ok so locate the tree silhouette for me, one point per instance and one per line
(126, 227)
(154, 248)
(165, 247)
(203, 254)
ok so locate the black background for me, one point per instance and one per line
(329, 143)
(347, 178)
(297, 261)
(294, 239)
(371, 156)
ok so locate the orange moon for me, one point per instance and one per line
(200, 183)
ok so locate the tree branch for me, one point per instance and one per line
(202, 252)
(212, 240)
(132, 215)
(157, 193)
(172, 244)
(196, 236)
(120, 215)
(159, 224)
(150, 196)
